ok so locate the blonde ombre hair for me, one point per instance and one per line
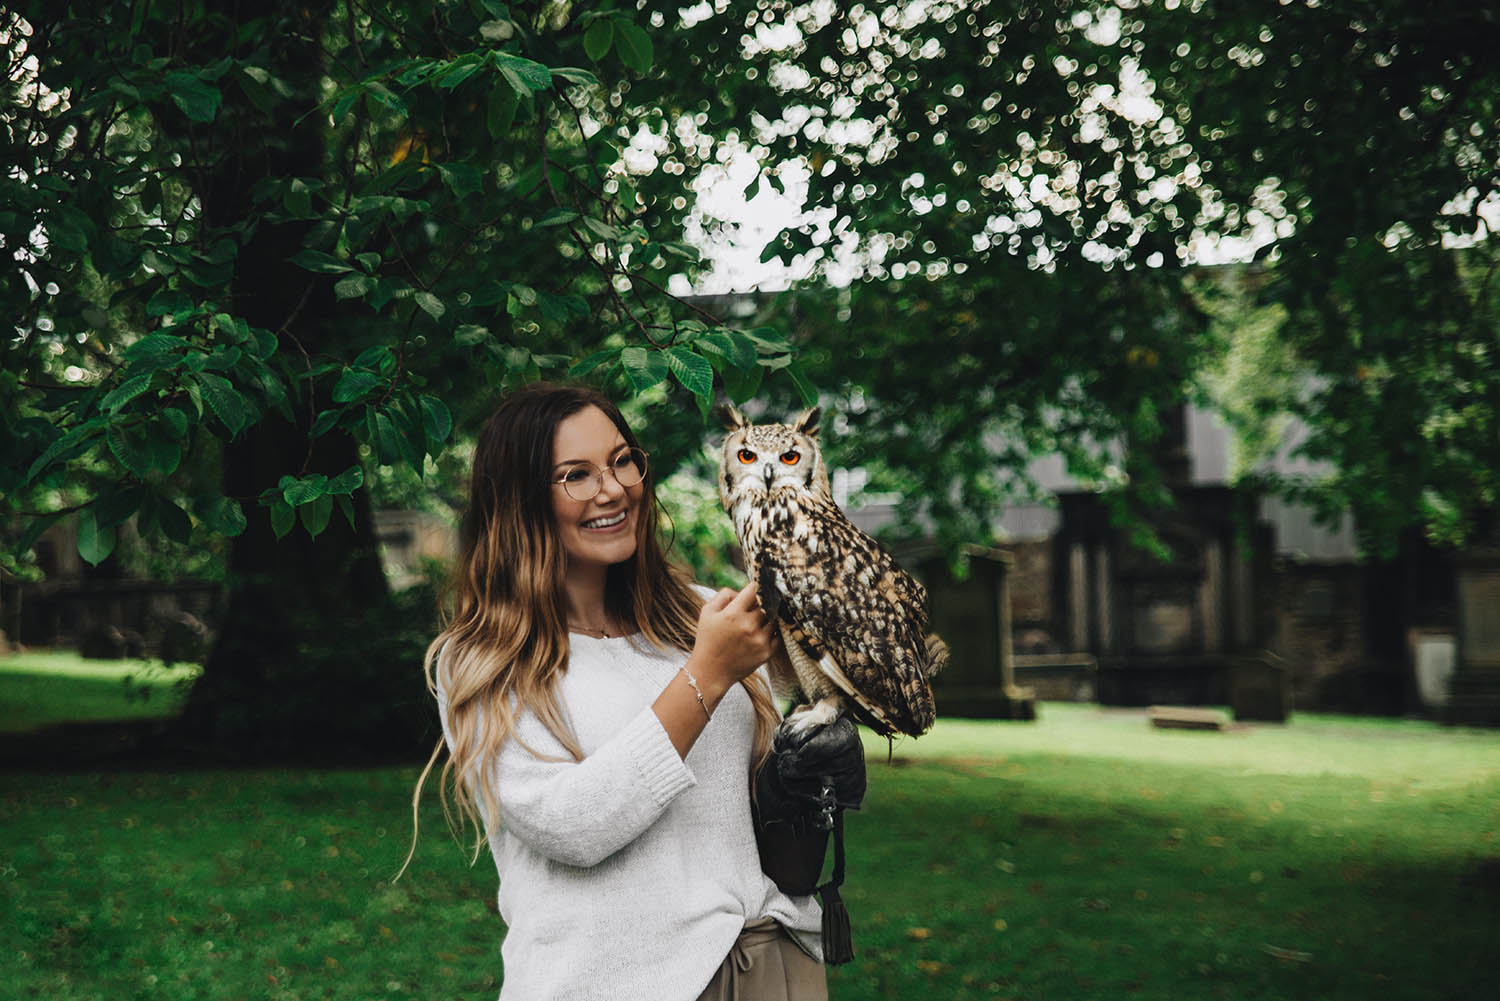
(505, 646)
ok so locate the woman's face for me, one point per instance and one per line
(600, 530)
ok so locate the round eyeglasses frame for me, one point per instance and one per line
(628, 468)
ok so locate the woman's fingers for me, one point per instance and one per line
(744, 599)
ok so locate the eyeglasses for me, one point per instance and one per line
(584, 480)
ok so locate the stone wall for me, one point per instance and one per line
(1320, 624)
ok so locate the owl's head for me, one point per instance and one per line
(759, 458)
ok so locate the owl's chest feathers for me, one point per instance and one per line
(761, 516)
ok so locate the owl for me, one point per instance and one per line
(853, 624)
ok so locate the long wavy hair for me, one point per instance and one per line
(505, 646)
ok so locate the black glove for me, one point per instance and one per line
(812, 775)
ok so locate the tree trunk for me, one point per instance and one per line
(311, 657)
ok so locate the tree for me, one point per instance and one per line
(284, 238)
(1036, 186)
(296, 243)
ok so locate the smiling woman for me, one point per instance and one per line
(604, 718)
(596, 497)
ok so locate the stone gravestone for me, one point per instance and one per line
(1260, 688)
(1434, 655)
(1475, 688)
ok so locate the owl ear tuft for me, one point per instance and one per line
(807, 421)
(729, 415)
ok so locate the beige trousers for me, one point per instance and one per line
(766, 965)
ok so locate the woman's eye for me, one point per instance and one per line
(624, 461)
(791, 458)
(746, 456)
(576, 475)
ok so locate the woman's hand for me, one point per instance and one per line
(734, 638)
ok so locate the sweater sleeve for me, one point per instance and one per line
(582, 812)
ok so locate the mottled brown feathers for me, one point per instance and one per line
(853, 622)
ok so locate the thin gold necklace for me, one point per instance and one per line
(602, 634)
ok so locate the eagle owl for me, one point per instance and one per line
(853, 624)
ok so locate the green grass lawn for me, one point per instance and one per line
(61, 687)
(1083, 856)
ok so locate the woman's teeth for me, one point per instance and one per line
(606, 522)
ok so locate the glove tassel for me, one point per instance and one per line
(838, 941)
(838, 947)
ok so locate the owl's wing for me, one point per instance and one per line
(846, 594)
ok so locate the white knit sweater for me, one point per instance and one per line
(628, 874)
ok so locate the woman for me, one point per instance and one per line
(603, 720)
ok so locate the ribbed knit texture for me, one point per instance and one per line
(629, 875)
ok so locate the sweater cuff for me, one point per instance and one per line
(663, 772)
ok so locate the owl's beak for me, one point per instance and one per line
(770, 472)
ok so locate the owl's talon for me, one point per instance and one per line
(804, 719)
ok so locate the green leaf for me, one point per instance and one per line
(742, 384)
(352, 286)
(318, 262)
(692, 370)
(129, 447)
(65, 446)
(228, 404)
(197, 99)
(355, 384)
(603, 230)
(599, 37)
(430, 304)
(593, 361)
(377, 358)
(176, 422)
(769, 340)
(282, 518)
(165, 453)
(571, 74)
(461, 178)
(634, 47)
(297, 491)
(502, 110)
(124, 393)
(524, 74)
(805, 389)
(734, 347)
(222, 515)
(386, 439)
(173, 520)
(437, 420)
(683, 250)
(457, 71)
(325, 422)
(469, 334)
(169, 302)
(95, 543)
(556, 217)
(644, 368)
(298, 199)
(157, 344)
(315, 514)
(342, 500)
(348, 481)
(117, 504)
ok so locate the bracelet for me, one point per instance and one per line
(698, 692)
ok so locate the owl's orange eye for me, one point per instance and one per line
(746, 456)
(791, 457)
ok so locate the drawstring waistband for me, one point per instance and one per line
(755, 933)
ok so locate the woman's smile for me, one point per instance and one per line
(605, 523)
